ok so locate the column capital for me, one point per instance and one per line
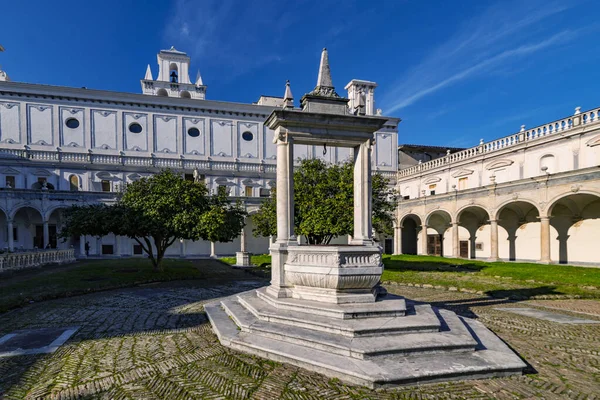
(545, 218)
(454, 223)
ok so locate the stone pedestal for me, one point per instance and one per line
(242, 259)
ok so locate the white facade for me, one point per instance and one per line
(533, 195)
(61, 146)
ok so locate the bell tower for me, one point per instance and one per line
(173, 77)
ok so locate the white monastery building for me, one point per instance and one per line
(533, 195)
(61, 146)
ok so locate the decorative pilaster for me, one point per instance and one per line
(545, 240)
(11, 238)
(363, 230)
(424, 240)
(455, 240)
(494, 240)
(46, 234)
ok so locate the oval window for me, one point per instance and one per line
(194, 132)
(135, 128)
(247, 136)
(72, 123)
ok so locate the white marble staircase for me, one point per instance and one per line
(378, 344)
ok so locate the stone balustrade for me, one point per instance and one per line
(525, 135)
(14, 261)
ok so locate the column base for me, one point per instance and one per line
(545, 262)
(242, 260)
(493, 259)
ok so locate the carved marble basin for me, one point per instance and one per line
(334, 274)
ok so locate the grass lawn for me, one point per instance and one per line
(261, 265)
(21, 287)
(499, 279)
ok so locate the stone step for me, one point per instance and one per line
(455, 338)
(389, 306)
(425, 320)
(493, 360)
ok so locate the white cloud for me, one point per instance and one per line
(480, 46)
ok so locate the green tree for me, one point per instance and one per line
(324, 203)
(158, 210)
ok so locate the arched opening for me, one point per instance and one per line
(519, 236)
(28, 229)
(74, 183)
(472, 239)
(185, 95)
(438, 224)
(162, 92)
(410, 226)
(173, 73)
(3, 232)
(574, 227)
(55, 222)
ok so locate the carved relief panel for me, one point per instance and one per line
(270, 149)
(10, 124)
(39, 124)
(72, 127)
(194, 136)
(221, 138)
(247, 139)
(135, 128)
(104, 129)
(165, 134)
(384, 148)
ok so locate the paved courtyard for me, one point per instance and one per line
(154, 342)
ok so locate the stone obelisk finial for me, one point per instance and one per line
(288, 97)
(324, 83)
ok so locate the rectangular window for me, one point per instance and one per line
(248, 191)
(264, 192)
(189, 177)
(462, 183)
(406, 197)
(106, 186)
(107, 249)
(137, 249)
(431, 192)
(10, 182)
(41, 180)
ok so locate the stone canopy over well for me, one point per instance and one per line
(324, 310)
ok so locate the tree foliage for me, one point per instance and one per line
(158, 210)
(324, 203)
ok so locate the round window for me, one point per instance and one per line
(194, 132)
(135, 128)
(72, 123)
(247, 136)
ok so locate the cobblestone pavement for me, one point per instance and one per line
(155, 342)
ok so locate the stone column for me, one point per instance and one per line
(424, 240)
(545, 240)
(494, 240)
(46, 234)
(82, 246)
(455, 240)
(11, 238)
(242, 257)
(397, 240)
(213, 253)
(182, 248)
(285, 189)
(285, 213)
(362, 195)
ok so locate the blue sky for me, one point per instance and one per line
(454, 71)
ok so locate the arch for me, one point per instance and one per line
(162, 92)
(508, 202)
(29, 223)
(22, 206)
(185, 94)
(519, 230)
(410, 225)
(437, 222)
(475, 219)
(465, 207)
(555, 199)
(173, 73)
(74, 183)
(574, 226)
